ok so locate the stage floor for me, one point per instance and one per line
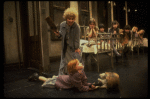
(133, 72)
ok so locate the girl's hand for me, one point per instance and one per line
(114, 32)
(92, 27)
(92, 87)
(57, 33)
(78, 50)
(95, 32)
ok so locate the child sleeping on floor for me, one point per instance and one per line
(109, 80)
(76, 78)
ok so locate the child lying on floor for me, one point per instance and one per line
(76, 78)
(109, 80)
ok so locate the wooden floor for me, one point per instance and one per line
(133, 73)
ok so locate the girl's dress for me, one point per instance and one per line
(78, 80)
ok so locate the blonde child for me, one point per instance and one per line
(110, 81)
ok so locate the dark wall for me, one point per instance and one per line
(139, 18)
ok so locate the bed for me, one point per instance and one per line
(103, 45)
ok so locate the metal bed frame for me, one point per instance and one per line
(116, 38)
(108, 37)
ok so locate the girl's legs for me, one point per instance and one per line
(42, 78)
(114, 49)
(36, 76)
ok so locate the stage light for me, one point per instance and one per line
(114, 4)
(124, 8)
(128, 10)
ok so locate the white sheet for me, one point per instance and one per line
(93, 48)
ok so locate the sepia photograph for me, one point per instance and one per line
(75, 49)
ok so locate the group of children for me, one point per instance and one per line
(71, 71)
(77, 77)
(125, 34)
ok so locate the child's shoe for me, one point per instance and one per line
(33, 77)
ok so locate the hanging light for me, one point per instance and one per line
(114, 4)
(135, 10)
(108, 1)
(124, 8)
(128, 10)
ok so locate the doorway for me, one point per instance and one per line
(31, 40)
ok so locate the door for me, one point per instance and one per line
(30, 25)
(84, 17)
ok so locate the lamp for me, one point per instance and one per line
(128, 10)
(124, 8)
(114, 4)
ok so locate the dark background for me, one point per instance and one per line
(138, 18)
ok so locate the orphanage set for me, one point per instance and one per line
(117, 42)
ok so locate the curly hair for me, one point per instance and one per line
(141, 31)
(72, 66)
(92, 20)
(70, 12)
(113, 80)
(134, 27)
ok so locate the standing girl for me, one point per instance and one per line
(70, 33)
(114, 30)
(91, 31)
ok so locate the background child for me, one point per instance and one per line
(101, 30)
(115, 27)
(114, 30)
(134, 32)
(140, 35)
(126, 39)
(92, 30)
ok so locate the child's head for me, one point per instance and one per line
(70, 12)
(115, 24)
(70, 15)
(127, 28)
(101, 27)
(120, 30)
(113, 80)
(74, 65)
(141, 31)
(92, 23)
(134, 29)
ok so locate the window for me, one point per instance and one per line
(84, 16)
